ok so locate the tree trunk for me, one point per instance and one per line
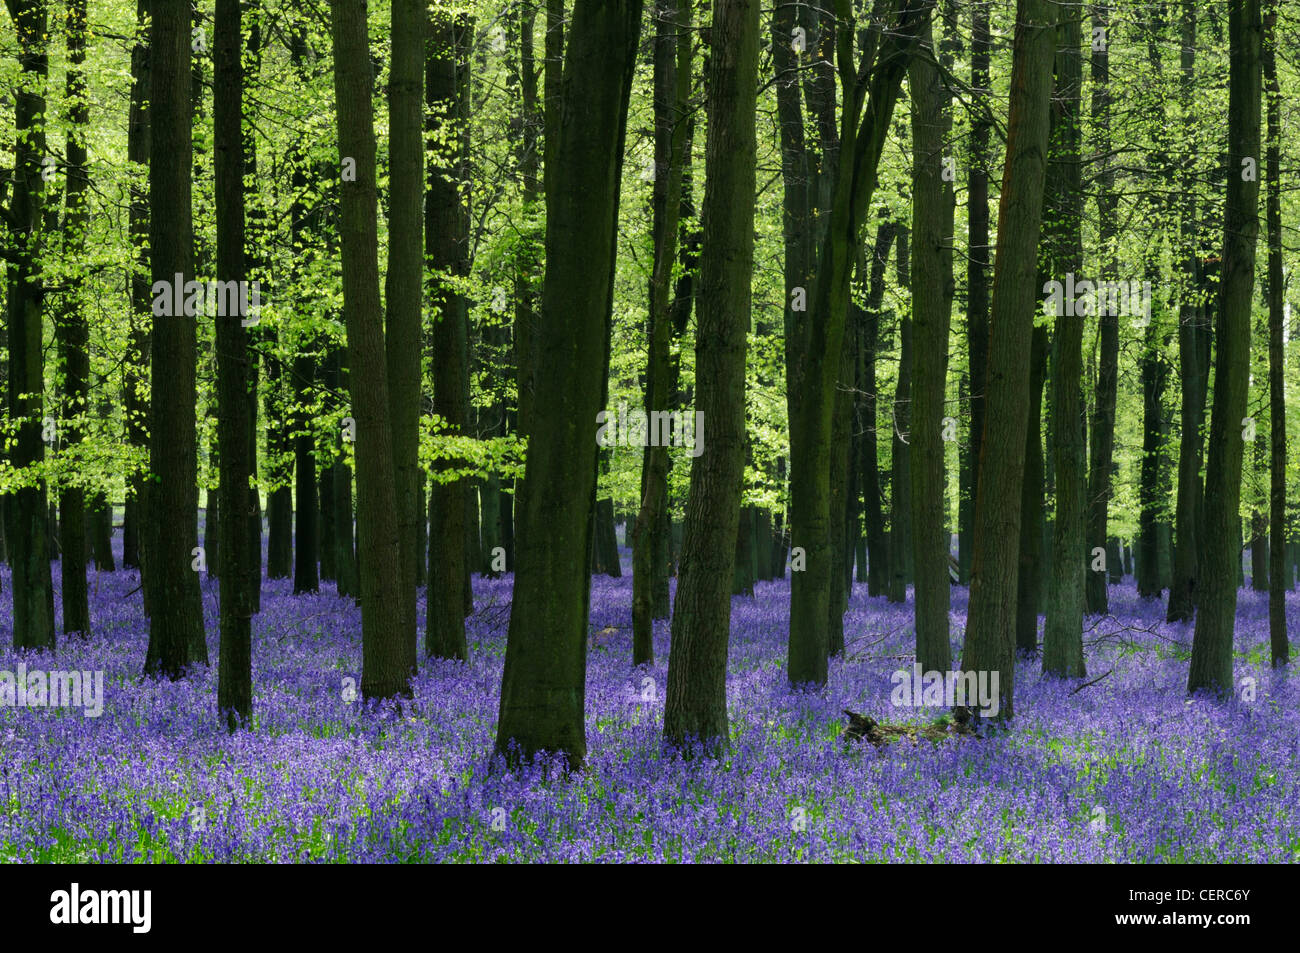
(1278, 582)
(1029, 587)
(932, 291)
(306, 539)
(135, 405)
(900, 479)
(446, 237)
(543, 685)
(176, 638)
(1101, 445)
(386, 665)
(26, 508)
(1211, 666)
(977, 268)
(672, 87)
(1063, 627)
(73, 332)
(877, 547)
(696, 706)
(235, 673)
(994, 578)
(404, 287)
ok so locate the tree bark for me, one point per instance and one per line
(237, 575)
(176, 638)
(994, 579)
(1211, 665)
(1279, 646)
(932, 291)
(404, 287)
(543, 686)
(446, 238)
(386, 669)
(696, 706)
(73, 332)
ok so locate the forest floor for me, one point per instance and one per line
(1124, 769)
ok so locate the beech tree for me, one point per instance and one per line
(696, 707)
(991, 616)
(542, 703)
(1211, 665)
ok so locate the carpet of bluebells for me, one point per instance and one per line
(1124, 769)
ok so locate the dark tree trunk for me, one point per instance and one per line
(237, 575)
(1278, 642)
(306, 539)
(900, 479)
(386, 664)
(607, 539)
(696, 706)
(134, 389)
(1153, 371)
(325, 518)
(1101, 446)
(73, 332)
(176, 637)
(990, 630)
(1063, 627)
(101, 532)
(1211, 666)
(543, 686)
(446, 236)
(1030, 566)
(340, 501)
(26, 509)
(977, 268)
(255, 268)
(932, 291)
(404, 287)
(672, 86)
(877, 547)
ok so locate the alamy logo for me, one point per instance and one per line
(133, 907)
(659, 428)
(40, 689)
(945, 689)
(224, 299)
(1102, 298)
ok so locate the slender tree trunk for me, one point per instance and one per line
(385, 660)
(877, 546)
(176, 638)
(696, 707)
(932, 291)
(672, 86)
(1030, 582)
(235, 674)
(134, 389)
(306, 538)
(1101, 446)
(977, 267)
(446, 238)
(73, 332)
(26, 509)
(1063, 627)
(994, 578)
(1280, 647)
(404, 286)
(543, 686)
(900, 480)
(1211, 666)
